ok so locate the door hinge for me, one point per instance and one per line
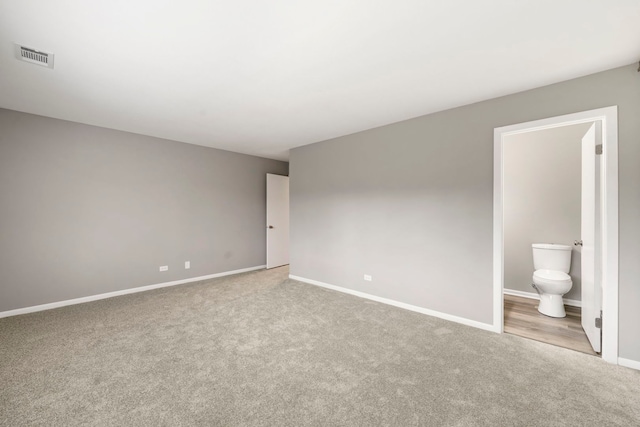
(599, 149)
(599, 321)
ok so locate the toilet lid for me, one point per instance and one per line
(556, 276)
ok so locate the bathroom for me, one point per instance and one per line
(542, 204)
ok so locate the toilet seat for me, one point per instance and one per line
(551, 277)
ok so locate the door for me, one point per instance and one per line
(590, 230)
(277, 220)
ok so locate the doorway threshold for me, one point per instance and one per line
(521, 318)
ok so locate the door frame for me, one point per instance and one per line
(609, 182)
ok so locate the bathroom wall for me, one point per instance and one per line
(542, 184)
(87, 210)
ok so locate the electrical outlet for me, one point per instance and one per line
(187, 265)
(164, 267)
(368, 278)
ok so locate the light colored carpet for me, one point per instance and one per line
(259, 349)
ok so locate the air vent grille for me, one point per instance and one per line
(34, 56)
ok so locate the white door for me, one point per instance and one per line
(277, 220)
(591, 275)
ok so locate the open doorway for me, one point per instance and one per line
(542, 205)
(540, 192)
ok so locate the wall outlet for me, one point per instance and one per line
(164, 267)
(187, 265)
(368, 278)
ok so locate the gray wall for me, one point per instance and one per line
(542, 189)
(88, 210)
(412, 203)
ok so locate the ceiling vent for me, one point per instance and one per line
(34, 56)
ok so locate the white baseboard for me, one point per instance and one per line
(627, 363)
(533, 295)
(97, 297)
(462, 320)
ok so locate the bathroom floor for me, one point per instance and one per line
(521, 317)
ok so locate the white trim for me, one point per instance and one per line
(462, 320)
(533, 295)
(610, 237)
(628, 363)
(97, 297)
(609, 118)
(498, 238)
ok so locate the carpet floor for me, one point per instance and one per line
(259, 349)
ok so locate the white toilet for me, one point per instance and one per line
(550, 278)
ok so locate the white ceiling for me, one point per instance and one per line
(260, 77)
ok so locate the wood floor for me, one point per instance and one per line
(521, 317)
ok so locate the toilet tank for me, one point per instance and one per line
(550, 256)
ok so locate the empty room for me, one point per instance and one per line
(347, 213)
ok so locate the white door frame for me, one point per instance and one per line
(609, 118)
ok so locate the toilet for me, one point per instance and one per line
(550, 278)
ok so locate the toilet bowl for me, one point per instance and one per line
(550, 278)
